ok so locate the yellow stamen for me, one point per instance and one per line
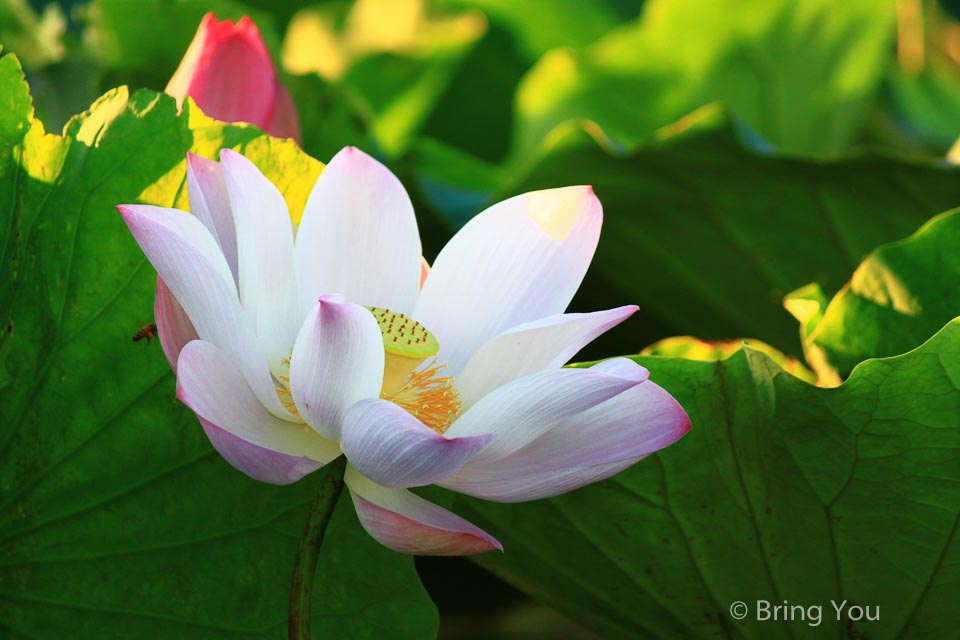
(427, 396)
(419, 390)
(286, 397)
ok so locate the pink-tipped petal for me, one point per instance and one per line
(392, 448)
(521, 411)
(211, 386)
(358, 236)
(190, 263)
(407, 523)
(634, 424)
(268, 284)
(173, 325)
(258, 463)
(211, 204)
(228, 72)
(581, 448)
(337, 360)
(532, 347)
(518, 261)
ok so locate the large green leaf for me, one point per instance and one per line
(801, 72)
(898, 297)
(708, 235)
(117, 519)
(782, 491)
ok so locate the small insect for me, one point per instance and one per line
(149, 332)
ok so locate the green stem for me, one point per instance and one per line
(305, 566)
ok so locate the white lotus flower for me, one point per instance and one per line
(294, 346)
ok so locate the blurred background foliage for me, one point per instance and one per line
(743, 149)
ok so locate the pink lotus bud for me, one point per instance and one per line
(229, 74)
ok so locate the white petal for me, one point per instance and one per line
(518, 261)
(258, 463)
(524, 485)
(358, 236)
(580, 448)
(523, 410)
(407, 523)
(189, 261)
(268, 284)
(532, 347)
(392, 448)
(173, 325)
(211, 204)
(337, 361)
(211, 386)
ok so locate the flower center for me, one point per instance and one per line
(410, 380)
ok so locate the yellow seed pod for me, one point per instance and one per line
(404, 336)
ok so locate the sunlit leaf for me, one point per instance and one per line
(799, 72)
(692, 348)
(898, 297)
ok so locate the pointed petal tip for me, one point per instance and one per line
(628, 310)
(195, 161)
(684, 424)
(229, 155)
(332, 299)
(560, 210)
(359, 158)
(131, 213)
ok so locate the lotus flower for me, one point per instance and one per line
(296, 346)
(229, 74)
